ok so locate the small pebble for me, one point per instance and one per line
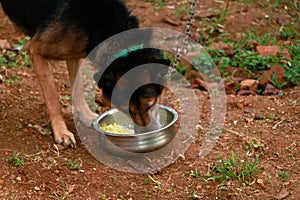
(51, 159)
(1, 79)
(36, 188)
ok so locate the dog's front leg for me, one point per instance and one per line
(45, 76)
(81, 108)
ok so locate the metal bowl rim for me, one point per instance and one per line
(114, 110)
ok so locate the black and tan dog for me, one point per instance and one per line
(68, 30)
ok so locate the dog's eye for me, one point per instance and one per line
(131, 112)
(149, 107)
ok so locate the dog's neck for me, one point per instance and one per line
(125, 52)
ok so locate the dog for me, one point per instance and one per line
(69, 30)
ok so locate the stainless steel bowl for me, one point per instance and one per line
(142, 142)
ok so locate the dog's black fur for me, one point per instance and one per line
(69, 30)
(99, 19)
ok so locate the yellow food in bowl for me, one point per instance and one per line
(116, 129)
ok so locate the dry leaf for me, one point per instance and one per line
(282, 194)
(260, 181)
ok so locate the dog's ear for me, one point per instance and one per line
(133, 21)
(105, 80)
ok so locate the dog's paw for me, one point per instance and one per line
(66, 138)
(86, 118)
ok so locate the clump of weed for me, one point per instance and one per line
(16, 160)
(16, 57)
(292, 67)
(74, 165)
(234, 168)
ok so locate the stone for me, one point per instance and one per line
(4, 44)
(272, 50)
(249, 84)
(271, 90)
(208, 14)
(220, 46)
(170, 21)
(1, 79)
(36, 188)
(230, 85)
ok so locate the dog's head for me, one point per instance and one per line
(134, 84)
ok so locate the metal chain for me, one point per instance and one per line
(188, 30)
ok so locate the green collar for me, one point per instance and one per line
(125, 52)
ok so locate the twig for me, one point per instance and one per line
(235, 133)
(152, 179)
(275, 126)
(6, 150)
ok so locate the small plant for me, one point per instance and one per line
(206, 65)
(292, 67)
(275, 81)
(214, 25)
(234, 168)
(102, 197)
(252, 61)
(271, 116)
(195, 174)
(288, 32)
(181, 69)
(146, 194)
(282, 174)
(249, 60)
(64, 99)
(13, 79)
(292, 71)
(73, 165)
(22, 42)
(14, 59)
(64, 188)
(254, 144)
(17, 160)
(195, 195)
(158, 186)
(293, 9)
(264, 39)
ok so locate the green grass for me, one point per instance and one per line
(195, 174)
(292, 67)
(253, 63)
(73, 165)
(195, 195)
(233, 168)
(18, 59)
(16, 160)
(11, 59)
(283, 174)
